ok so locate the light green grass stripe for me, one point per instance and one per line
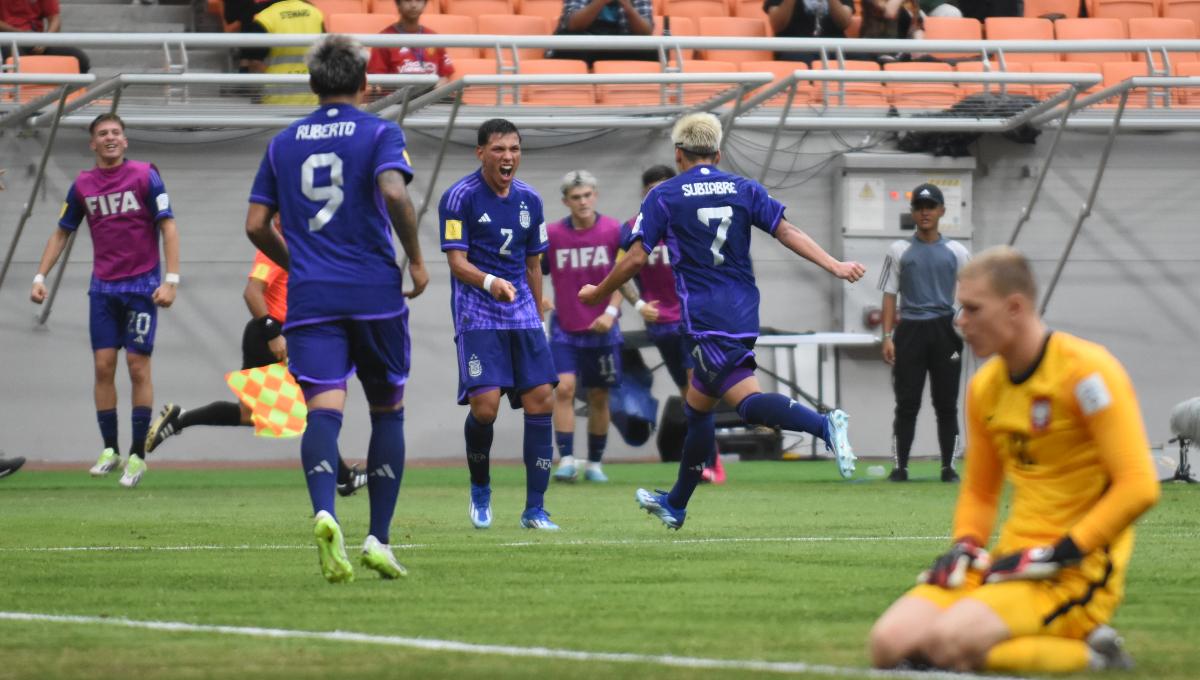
(785, 667)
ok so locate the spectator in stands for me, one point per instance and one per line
(889, 20)
(238, 15)
(418, 60)
(282, 17)
(947, 9)
(605, 17)
(808, 19)
(37, 16)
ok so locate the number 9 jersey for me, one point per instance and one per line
(321, 174)
(705, 217)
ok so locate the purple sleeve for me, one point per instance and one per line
(651, 223)
(452, 218)
(157, 195)
(537, 238)
(764, 210)
(265, 189)
(391, 151)
(72, 211)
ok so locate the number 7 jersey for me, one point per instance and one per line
(321, 174)
(705, 216)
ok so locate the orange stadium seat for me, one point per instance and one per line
(1021, 28)
(856, 93)
(1124, 10)
(946, 28)
(694, 9)
(453, 24)
(389, 7)
(329, 7)
(1091, 29)
(478, 96)
(695, 94)
(618, 95)
(1117, 71)
(477, 8)
(510, 24)
(1163, 29)
(33, 63)
(357, 23)
(1044, 8)
(977, 67)
(734, 27)
(678, 26)
(557, 95)
(1189, 96)
(550, 10)
(781, 70)
(922, 95)
(1045, 91)
(750, 9)
(1182, 9)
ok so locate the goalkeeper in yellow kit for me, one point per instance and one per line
(1057, 417)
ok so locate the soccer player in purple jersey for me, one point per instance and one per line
(584, 339)
(338, 179)
(705, 215)
(126, 206)
(493, 233)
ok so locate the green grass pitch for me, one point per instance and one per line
(785, 563)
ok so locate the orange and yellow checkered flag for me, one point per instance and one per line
(276, 403)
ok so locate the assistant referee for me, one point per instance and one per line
(922, 271)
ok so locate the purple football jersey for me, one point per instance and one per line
(123, 206)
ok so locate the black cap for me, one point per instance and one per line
(927, 192)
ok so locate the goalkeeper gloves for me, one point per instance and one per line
(950, 569)
(1032, 564)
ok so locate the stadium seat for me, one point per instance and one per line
(1117, 71)
(618, 95)
(734, 27)
(870, 94)
(922, 95)
(557, 95)
(453, 24)
(1123, 10)
(1091, 29)
(477, 8)
(1190, 96)
(695, 94)
(329, 7)
(1045, 91)
(1163, 29)
(32, 63)
(550, 10)
(1047, 8)
(1182, 9)
(750, 9)
(678, 26)
(389, 7)
(695, 9)
(357, 23)
(977, 67)
(1021, 28)
(781, 70)
(478, 96)
(509, 24)
(945, 28)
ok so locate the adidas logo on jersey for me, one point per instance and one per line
(485, 219)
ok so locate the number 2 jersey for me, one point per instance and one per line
(705, 216)
(321, 175)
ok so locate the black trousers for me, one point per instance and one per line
(935, 348)
(84, 62)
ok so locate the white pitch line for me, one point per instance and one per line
(455, 646)
(513, 544)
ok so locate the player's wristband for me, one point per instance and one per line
(271, 328)
(637, 306)
(612, 311)
(887, 336)
(487, 283)
(39, 278)
(171, 278)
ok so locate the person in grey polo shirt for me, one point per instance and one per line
(923, 272)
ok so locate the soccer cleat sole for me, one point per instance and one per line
(162, 427)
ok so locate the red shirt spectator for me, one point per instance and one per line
(27, 15)
(393, 60)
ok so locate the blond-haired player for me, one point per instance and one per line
(1057, 417)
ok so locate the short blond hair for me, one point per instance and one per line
(698, 134)
(578, 178)
(1006, 270)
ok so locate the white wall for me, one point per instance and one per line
(1128, 284)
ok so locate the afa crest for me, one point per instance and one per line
(1039, 414)
(525, 219)
(474, 366)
